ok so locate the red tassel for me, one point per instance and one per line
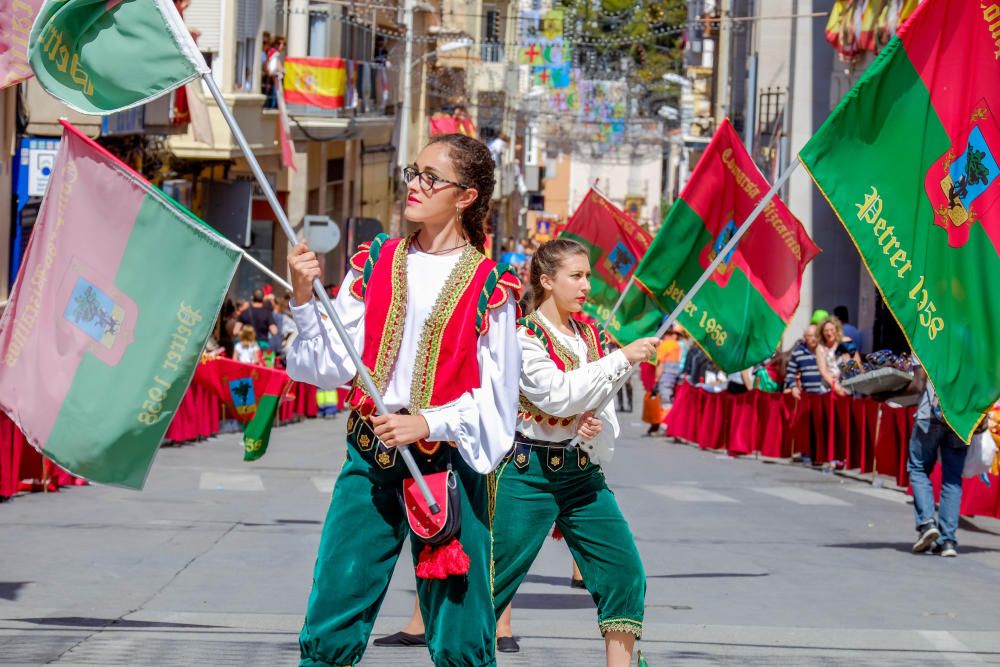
(443, 562)
(556, 533)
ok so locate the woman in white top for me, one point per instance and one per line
(833, 348)
(434, 321)
(565, 376)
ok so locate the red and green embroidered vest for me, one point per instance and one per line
(564, 358)
(447, 364)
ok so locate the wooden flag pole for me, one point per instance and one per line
(728, 248)
(318, 290)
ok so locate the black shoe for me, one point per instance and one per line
(401, 639)
(928, 536)
(945, 548)
(577, 583)
(507, 645)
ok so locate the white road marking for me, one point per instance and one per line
(689, 494)
(950, 648)
(884, 494)
(228, 481)
(324, 484)
(801, 496)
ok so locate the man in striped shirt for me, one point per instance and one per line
(802, 373)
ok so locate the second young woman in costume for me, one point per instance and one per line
(565, 376)
(434, 320)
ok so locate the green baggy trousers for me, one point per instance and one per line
(537, 486)
(362, 538)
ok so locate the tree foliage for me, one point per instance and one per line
(639, 39)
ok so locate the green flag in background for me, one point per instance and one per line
(101, 56)
(741, 312)
(616, 243)
(909, 162)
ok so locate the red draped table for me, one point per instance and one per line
(854, 433)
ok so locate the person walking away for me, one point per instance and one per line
(932, 440)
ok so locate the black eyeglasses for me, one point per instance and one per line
(427, 179)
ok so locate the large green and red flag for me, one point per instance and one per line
(252, 394)
(909, 162)
(616, 243)
(741, 312)
(101, 56)
(107, 320)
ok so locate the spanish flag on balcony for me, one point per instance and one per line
(316, 82)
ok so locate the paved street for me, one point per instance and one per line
(748, 563)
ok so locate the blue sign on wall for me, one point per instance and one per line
(33, 166)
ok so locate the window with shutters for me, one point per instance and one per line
(205, 17)
(247, 54)
(492, 42)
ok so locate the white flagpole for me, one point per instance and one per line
(728, 248)
(318, 289)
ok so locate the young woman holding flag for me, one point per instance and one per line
(564, 376)
(434, 321)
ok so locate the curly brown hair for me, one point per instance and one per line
(474, 165)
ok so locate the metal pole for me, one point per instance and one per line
(729, 247)
(621, 299)
(403, 150)
(318, 289)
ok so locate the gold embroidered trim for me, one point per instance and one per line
(566, 355)
(593, 345)
(627, 625)
(492, 490)
(527, 410)
(431, 338)
(530, 412)
(392, 333)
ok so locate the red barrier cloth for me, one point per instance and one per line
(861, 454)
(866, 435)
(34, 469)
(197, 416)
(774, 412)
(681, 422)
(977, 498)
(742, 423)
(300, 403)
(11, 445)
(305, 396)
(892, 444)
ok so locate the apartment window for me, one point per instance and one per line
(334, 187)
(247, 55)
(491, 48)
(318, 31)
(357, 41)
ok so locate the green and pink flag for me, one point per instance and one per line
(251, 393)
(910, 162)
(740, 314)
(107, 320)
(102, 56)
(616, 243)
